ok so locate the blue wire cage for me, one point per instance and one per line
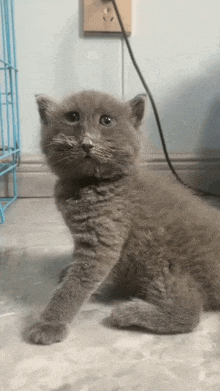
(9, 110)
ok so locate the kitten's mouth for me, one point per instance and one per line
(87, 155)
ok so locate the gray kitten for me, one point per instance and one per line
(155, 241)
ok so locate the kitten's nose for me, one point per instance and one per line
(87, 145)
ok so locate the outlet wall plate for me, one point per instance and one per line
(100, 16)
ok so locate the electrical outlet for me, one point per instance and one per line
(100, 16)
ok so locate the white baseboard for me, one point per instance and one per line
(199, 170)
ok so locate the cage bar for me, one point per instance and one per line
(9, 107)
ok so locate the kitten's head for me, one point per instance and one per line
(90, 134)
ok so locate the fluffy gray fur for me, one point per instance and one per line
(152, 238)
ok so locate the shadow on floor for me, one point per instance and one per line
(31, 281)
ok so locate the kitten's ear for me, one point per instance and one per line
(138, 105)
(45, 104)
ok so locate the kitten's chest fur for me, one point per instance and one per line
(93, 210)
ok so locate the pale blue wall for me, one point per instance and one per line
(175, 42)
(177, 46)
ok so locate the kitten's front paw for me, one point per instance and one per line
(45, 333)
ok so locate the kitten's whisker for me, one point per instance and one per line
(102, 155)
(64, 158)
(64, 140)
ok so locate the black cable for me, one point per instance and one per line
(157, 118)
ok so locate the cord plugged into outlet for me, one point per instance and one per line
(100, 16)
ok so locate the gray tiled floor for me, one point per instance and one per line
(35, 245)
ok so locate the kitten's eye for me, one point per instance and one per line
(72, 116)
(105, 120)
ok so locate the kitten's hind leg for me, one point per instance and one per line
(174, 306)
